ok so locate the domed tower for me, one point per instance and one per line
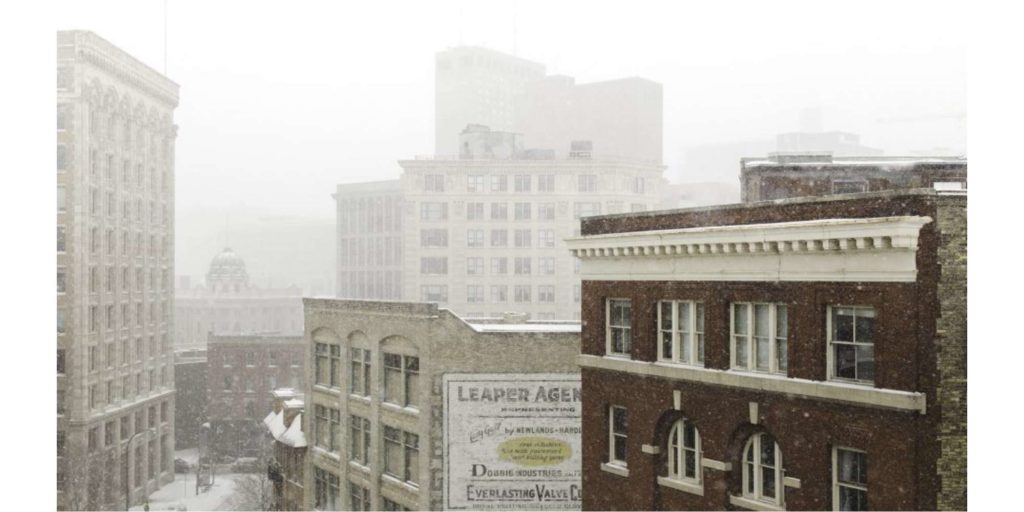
(227, 273)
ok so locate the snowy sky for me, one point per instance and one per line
(280, 101)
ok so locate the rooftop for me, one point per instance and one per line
(823, 159)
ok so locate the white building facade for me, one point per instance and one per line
(115, 264)
(485, 236)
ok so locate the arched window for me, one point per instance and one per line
(684, 452)
(762, 469)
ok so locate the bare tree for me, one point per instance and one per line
(253, 491)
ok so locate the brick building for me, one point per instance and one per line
(785, 175)
(190, 397)
(241, 372)
(375, 397)
(286, 468)
(803, 354)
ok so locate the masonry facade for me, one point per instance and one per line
(241, 372)
(806, 354)
(115, 259)
(801, 174)
(374, 395)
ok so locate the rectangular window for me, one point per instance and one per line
(432, 211)
(401, 455)
(587, 183)
(759, 342)
(499, 293)
(434, 293)
(61, 199)
(321, 426)
(475, 183)
(335, 381)
(359, 497)
(522, 293)
(546, 211)
(433, 182)
(522, 211)
(499, 238)
(619, 315)
(474, 294)
(849, 479)
(434, 238)
(61, 282)
(437, 265)
(851, 344)
(401, 379)
(60, 361)
(321, 364)
(499, 183)
(499, 211)
(475, 238)
(522, 237)
(546, 238)
(62, 157)
(499, 266)
(359, 383)
(326, 490)
(681, 332)
(474, 211)
(546, 293)
(638, 185)
(60, 238)
(60, 320)
(546, 266)
(359, 440)
(522, 266)
(522, 182)
(474, 266)
(546, 183)
(586, 209)
(392, 506)
(617, 429)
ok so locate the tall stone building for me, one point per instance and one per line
(801, 354)
(369, 234)
(115, 262)
(230, 304)
(484, 235)
(474, 85)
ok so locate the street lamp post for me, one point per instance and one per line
(127, 452)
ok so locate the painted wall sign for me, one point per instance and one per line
(512, 441)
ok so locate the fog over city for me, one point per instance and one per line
(518, 255)
(284, 101)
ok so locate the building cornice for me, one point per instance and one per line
(871, 249)
(906, 401)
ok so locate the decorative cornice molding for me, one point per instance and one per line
(873, 249)
(871, 234)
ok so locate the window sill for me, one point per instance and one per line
(398, 408)
(360, 398)
(679, 485)
(753, 504)
(393, 481)
(615, 469)
(359, 467)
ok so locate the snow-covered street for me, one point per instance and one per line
(181, 494)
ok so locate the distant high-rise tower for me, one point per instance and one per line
(115, 263)
(477, 86)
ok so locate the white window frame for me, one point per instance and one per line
(609, 327)
(695, 338)
(406, 395)
(754, 443)
(612, 434)
(835, 475)
(675, 461)
(863, 184)
(830, 356)
(773, 338)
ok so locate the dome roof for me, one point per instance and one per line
(228, 268)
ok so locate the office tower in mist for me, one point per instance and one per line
(115, 266)
(475, 85)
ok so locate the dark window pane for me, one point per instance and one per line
(845, 362)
